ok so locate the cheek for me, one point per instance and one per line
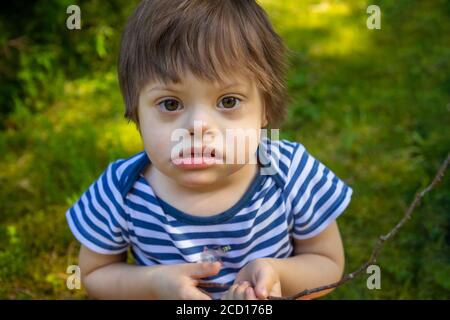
(254, 116)
(250, 119)
(156, 140)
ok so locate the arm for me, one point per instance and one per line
(110, 277)
(317, 261)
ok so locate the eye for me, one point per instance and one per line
(170, 105)
(229, 103)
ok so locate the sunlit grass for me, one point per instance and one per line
(372, 105)
(335, 27)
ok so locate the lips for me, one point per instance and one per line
(196, 158)
(202, 152)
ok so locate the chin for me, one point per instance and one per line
(197, 179)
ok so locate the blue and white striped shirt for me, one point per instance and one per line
(120, 211)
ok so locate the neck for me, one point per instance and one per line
(246, 173)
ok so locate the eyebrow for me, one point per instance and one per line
(175, 90)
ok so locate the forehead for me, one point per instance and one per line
(188, 78)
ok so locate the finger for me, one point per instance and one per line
(202, 270)
(264, 283)
(239, 293)
(205, 292)
(276, 290)
(250, 294)
(196, 294)
(230, 293)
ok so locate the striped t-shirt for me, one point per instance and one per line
(298, 200)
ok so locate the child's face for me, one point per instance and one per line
(204, 111)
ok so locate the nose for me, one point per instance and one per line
(198, 128)
(199, 122)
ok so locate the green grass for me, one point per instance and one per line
(373, 105)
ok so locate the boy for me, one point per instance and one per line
(261, 220)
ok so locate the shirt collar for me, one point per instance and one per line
(132, 173)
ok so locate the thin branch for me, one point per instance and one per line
(381, 240)
(376, 250)
(205, 284)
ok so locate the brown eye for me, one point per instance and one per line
(169, 105)
(229, 103)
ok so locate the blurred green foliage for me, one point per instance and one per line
(373, 105)
(39, 54)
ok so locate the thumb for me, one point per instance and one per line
(264, 282)
(202, 270)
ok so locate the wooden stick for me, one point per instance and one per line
(375, 252)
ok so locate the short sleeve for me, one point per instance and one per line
(315, 196)
(98, 219)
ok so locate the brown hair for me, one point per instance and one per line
(209, 37)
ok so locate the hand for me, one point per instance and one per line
(240, 291)
(179, 281)
(257, 280)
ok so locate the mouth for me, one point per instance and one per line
(202, 152)
(196, 158)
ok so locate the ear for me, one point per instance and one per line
(264, 121)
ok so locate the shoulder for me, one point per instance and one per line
(123, 172)
(98, 219)
(293, 163)
(127, 170)
(282, 155)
